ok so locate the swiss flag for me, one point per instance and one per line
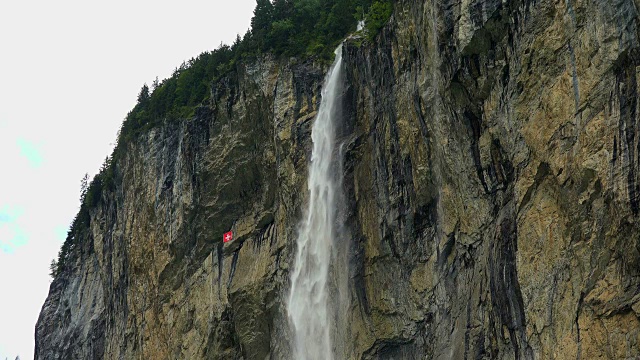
(227, 237)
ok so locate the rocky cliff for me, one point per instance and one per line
(491, 200)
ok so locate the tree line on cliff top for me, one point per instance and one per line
(288, 28)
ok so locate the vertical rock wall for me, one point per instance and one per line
(491, 159)
(152, 279)
(494, 182)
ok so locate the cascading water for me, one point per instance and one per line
(308, 306)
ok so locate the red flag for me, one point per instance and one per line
(227, 237)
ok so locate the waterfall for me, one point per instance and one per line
(308, 307)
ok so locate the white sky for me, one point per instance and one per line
(70, 71)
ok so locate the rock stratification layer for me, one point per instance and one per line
(492, 194)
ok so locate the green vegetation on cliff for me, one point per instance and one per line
(289, 28)
(377, 17)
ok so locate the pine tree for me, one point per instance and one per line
(84, 185)
(282, 9)
(143, 96)
(261, 22)
(155, 84)
(262, 15)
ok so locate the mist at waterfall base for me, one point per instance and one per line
(309, 307)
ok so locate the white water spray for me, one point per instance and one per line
(308, 305)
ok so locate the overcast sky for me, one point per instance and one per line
(70, 71)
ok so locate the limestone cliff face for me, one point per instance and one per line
(492, 194)
(153, 279)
